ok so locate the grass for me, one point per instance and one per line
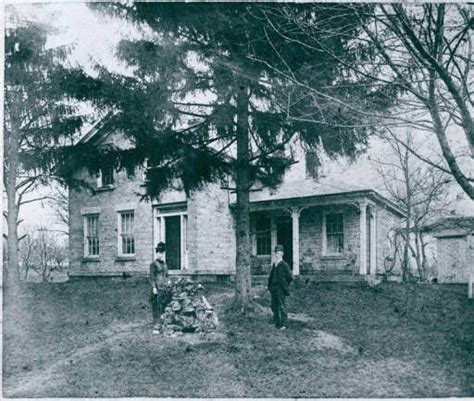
(92, 338)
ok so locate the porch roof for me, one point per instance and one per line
(451, 226)
(309, 192)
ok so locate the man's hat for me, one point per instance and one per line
(160, 247)
(279, 248)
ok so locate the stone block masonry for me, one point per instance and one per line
(107, 204)
(312, 258)
(209, 245)
(213, 244)
(210, 229)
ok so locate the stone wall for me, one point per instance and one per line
(210, 233)
(107, 203)
(210, 220)
(312, 259)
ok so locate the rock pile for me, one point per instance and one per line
(188, 311)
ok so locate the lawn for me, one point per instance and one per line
(92, 338)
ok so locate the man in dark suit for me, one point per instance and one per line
(278, 285)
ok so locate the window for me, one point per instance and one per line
(106, 177)
(263, 235)
(91, 234)
(334, 233)
(126, 233)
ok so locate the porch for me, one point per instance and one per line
(330, 237)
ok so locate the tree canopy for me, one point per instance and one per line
(205, 98)
(422, 56)
(180, 102)
(40, 118)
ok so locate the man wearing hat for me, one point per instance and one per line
(159, 281)
(278, 285)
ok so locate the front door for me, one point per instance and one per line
(285, 238)
(173, 242)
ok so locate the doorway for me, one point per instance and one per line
(285, 237)
(173, 242)
(171, 228)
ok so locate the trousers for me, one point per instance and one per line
(280, 315)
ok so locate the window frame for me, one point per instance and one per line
(120, 233)
(100, 178)
(87, 246)
(259, 235)
(326, 251)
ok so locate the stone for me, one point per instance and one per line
(207, 305)
(187, 311)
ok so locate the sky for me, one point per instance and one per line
(94, 38)
(92, 35)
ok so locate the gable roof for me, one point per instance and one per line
(451, 226)
(96, 129)
(298, 189)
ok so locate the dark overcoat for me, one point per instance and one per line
(280, 277)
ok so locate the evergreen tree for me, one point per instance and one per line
(39, 119)
(225, 54)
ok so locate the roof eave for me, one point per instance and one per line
(334, 196)
(96, 128)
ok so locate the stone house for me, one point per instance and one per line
(454, 248)
(324, 225)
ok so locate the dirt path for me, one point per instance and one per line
(37, 381)
(56, 377)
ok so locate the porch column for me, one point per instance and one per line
(363, 237)
(373, 241)
(295, 219)
(273, 235)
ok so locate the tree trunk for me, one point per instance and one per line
(242, 219)
(424, 261)
(406, 172)
(418, 251)
(440, 132)
(11, 272)
(405, 261)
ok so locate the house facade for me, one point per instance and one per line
(324, 225)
